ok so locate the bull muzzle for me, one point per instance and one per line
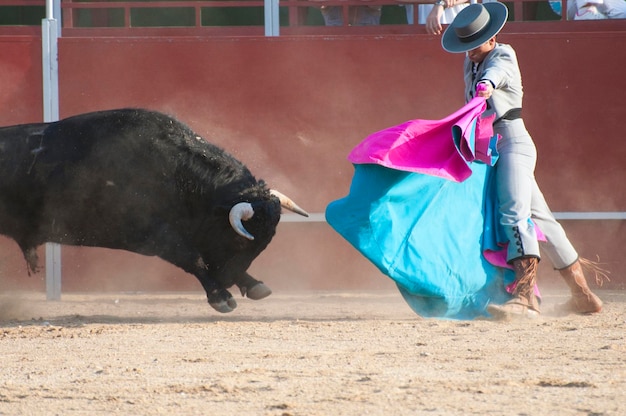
(243, 211)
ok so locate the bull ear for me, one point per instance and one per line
(287, 203)
(242, 211)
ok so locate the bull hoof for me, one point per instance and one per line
(258, 291)
(224, 306)
(222, 301)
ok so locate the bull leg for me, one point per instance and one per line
(180, 254)
(253, 288)
(218, 297)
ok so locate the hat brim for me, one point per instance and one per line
(498, 14)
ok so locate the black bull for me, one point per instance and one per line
(139, 181)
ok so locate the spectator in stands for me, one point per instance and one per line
(444, 11)
(436, 14)
(357, 15)
(592, 9)
(491, 71)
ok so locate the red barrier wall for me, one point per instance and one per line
(291, 108)
(20, 80)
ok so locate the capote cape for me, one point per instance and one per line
(422, 209)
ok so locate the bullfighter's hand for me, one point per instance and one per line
(484, 89)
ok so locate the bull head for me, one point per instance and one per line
(243, 211)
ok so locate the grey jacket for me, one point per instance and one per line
(501, 68)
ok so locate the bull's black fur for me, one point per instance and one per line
(134, 180)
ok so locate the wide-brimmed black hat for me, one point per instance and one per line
(473, 26)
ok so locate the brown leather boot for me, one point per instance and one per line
(583, 300)
(524, 303)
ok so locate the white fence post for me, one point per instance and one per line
(272, 18)
(49, 58)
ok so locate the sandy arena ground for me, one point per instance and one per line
(302, 353)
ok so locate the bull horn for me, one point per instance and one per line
(241, 212)
(287, 203)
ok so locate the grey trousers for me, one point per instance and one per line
(521, 200)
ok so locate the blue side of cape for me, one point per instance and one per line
(427, 234)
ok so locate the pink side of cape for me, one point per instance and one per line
(426, 146)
